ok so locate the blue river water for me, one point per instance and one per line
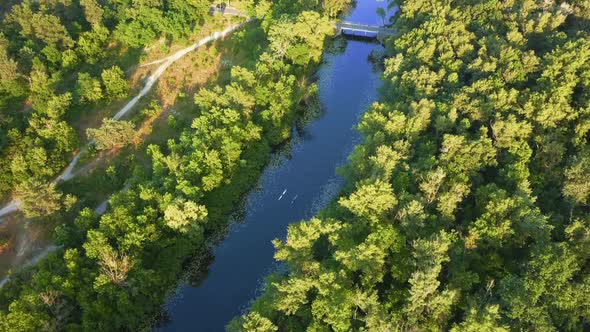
(295, 186)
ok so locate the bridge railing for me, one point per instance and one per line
(345, 24)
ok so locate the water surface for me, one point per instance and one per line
(294, 187)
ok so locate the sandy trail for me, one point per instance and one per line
(69, 172)
(154, 62)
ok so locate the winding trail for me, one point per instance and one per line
(153, 62)
(68, 172)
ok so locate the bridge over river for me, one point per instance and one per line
(344, 27)
(363, 30)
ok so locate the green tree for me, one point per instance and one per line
(38, 199)
(577, 186)
(91, 44)
(93, 12)
(112, 134)
(42, 27)
(334, 7)
(114, 82)
(88, 89)
(300, 40)
(486, 320)
(257, 323)
(184, 216)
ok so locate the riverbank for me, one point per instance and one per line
(149, 230)
(296, 184)
(299, 182)
(456, 214)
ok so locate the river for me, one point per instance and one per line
(295, 186)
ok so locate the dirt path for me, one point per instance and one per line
(100, 210)
(69, 172)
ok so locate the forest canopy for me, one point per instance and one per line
(58, 60)
(466, 204)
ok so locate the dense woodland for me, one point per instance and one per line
(114, 271)
(59, 60)
(467, 203)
